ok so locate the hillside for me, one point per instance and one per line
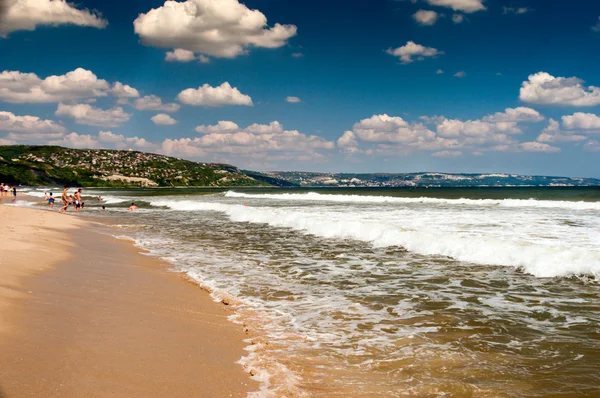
(52, 165)
(428, 180)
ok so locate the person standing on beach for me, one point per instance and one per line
(65, 200)
(77, 200)
(50, 200)
(14, 191)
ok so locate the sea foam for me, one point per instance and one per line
(541, 260)
(317, 197)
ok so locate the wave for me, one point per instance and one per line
(317, 197)
(537, 259)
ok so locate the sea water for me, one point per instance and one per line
(391, 292)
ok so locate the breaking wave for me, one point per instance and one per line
(541, 260)
(317, 197)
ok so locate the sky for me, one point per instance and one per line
(478, 86)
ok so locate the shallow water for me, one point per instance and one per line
(385, 293)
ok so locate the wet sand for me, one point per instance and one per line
(85, 315)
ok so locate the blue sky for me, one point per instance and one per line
(375, 86)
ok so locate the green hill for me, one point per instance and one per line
(53, 165)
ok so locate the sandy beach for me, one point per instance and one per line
(84, 314)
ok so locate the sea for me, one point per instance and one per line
(439, 292)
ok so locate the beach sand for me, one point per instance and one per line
(85, 315)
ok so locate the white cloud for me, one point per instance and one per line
(18, 87)
(596, 28)
(517, 10)
(222, 29)
(121, 90)
(460, 74)
(543, 88)
(458, 18)
(207, 95)
(293, 100)
(28, 128)
(222, 127)
(439, 72)
(348, 143)
(154, 103)
(447, 154)
(537, 147)
(520, 114)
(110, 137)
(575, 128)
(119, 141)
(257, 141)
(383, 134)
(163, 119)
(592, 146)
(411, 49)
(426, 17)
(582, 121)
(74, 140)
(29, 14)
(297, 55)
(87, 114)
(180, 55)
(467, 6)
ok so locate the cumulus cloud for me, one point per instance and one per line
(121, 90)
(468, 6)
(426, 17)
(29, 14)
(163, 119)
(293, 100)
(257, 141)
(348, 143)
(447, 154)
(596, 28)
(582, 121)
(412, 49)
(207, 95)
(460, 74)
(223, 126)
(28, 128)
(439, 72)
(575, 128)
(80, 84)
(543, 88)
(446, 137)
(181, 55)
(222, 29)
(520, 114)
(18, 87)
(89, 115)
(537, 147)
(154, 103)
(297, 55)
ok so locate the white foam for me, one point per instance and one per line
(317, 197)
(540, 259)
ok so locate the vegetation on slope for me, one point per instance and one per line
(45, 165)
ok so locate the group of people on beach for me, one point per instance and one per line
(5, 190)
(75, 200)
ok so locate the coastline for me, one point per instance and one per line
(85, 314)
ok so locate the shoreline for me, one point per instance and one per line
(86, 314)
